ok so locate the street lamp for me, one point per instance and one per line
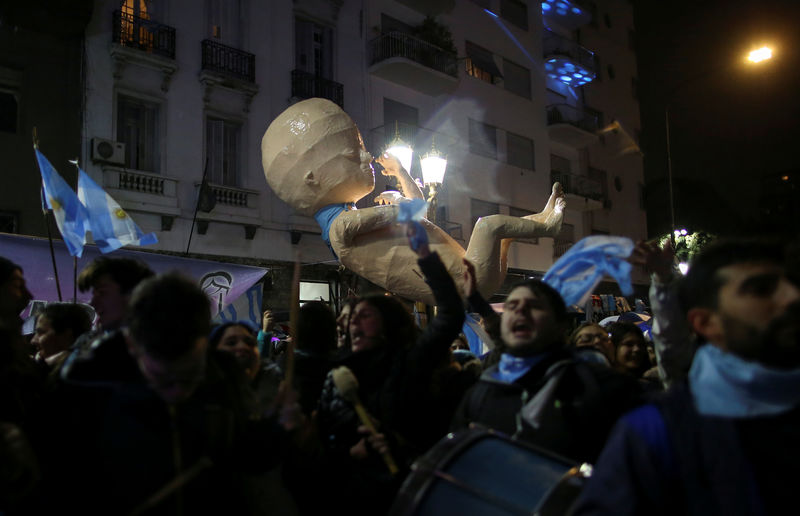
(755, 56)
(434, 166)
(400, 149)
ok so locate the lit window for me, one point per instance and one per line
(480, 64)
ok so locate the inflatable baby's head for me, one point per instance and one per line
(313, 156)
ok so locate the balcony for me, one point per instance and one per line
(414, 63)
(566, 13)
(306, 85)
(143, 34)
(572, 125)
(566, 61)
(582, 193)
(228, 61)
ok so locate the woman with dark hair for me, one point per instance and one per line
(393, 363)
(630, 349)
(343, 323)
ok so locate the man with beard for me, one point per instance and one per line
(539, 391)
(726, 440)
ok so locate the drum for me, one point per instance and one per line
(485, 473)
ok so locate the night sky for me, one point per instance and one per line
(735, 127)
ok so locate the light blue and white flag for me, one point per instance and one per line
(110, 225)
(581, 268)
(71, 216)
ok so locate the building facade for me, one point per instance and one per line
(515, 94)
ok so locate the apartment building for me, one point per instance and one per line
(515, 94)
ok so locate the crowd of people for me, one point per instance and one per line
(156, 411)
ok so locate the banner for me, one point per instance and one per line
(222, 282)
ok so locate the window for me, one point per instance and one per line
(635, 87)
(520, 151)
(389, 24)
(642, 196)
(480, 209)
(595, 114)
(223, 149)
(559, 164)
(480, 64)
(607, 20)
(9, 110)
(399, 118)
(592, 8)
(137, 128)
(517, 79)
(224, 22)
(9, 222)
(516, 12)
(482, 139)
(313, 48)
(611, 73)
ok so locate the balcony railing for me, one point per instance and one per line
(306, 85)
(560, 247)
(578, 185)
(556, 45)
(566, 114)
(398, 44)
(228, 60)
(143, 34)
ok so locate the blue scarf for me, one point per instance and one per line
(511, 368)
(325, 217)
(724, 385)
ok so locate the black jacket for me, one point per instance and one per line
(575, 420)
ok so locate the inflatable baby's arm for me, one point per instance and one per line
(393, 168)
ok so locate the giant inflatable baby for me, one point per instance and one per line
(314, 160)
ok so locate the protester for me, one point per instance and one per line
(57, 327)
(393, 366)
(316, 341)
(163, 424)
(725, 440)
(592, 336)
(111, 281)
(630, 349)
(539, 391)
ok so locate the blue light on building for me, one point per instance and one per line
(565, 70)
(562, 8)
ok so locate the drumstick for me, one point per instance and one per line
(294, 315)
(347, 384)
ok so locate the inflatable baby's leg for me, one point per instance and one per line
(488, 247)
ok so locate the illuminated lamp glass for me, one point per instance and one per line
(566, 78)
(561, 5)
(548, 66)
(576, 10)
(545, 6)
(577, 75)
(562, 12)
(552, 60)
(433, 168)
(569, 66)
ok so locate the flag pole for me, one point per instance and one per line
(75, 262)
(196, 206)
(47, 223)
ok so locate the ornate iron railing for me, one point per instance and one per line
(398, 44)
(236, 63)
(143, 34)
(306, 85)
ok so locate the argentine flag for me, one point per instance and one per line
(581, 268)
(71, 216)
(110, 225)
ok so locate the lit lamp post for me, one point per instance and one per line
(400, 149)
(755, 56)
(434, 166)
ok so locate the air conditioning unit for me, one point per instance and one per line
(108, 151)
